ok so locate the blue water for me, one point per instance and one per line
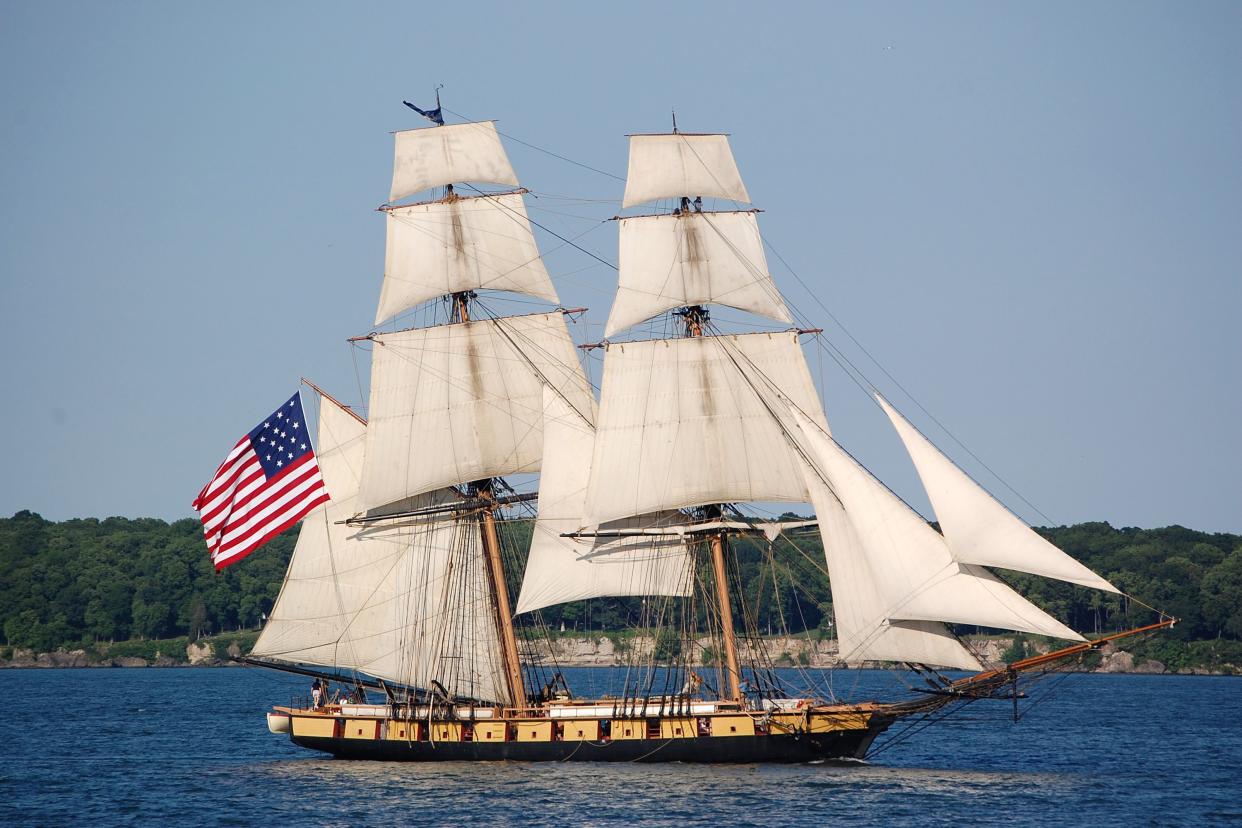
(190, 747)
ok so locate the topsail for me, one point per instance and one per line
(435, 157)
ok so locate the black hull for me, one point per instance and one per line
(803, 747)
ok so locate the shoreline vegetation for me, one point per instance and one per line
(138, 592)
(610, 650)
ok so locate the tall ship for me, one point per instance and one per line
(419, 585)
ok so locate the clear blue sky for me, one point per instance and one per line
(1031, 214)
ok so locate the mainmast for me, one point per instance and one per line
(485, 490)
(454, 408)
(718, 543)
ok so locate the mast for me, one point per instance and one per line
(454, 408)
(485, 491)
(681, 262)
(718, 543)
(500, 595)
(695, 317)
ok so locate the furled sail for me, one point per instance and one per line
(460, 244)
(687, 422)
(561, 569)
(435, 156)
(977, 528)
(462, 402)
(402, 603)
(677, 165)
(919, 580)
(692, 258)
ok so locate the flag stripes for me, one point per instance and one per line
(268, 482)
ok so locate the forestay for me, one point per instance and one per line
(461, 402)
(918, 578)
(460, 244)
(561, 569)
(398, 603)
(692, 258)
(433, 157)
(688, 422)
(677, 165)
(977, 528)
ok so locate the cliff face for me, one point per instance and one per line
(607, 651)
(603, 651)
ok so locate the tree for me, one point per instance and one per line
(1221, 593)
(150, 619)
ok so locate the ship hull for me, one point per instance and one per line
(775, 748)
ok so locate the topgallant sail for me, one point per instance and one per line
(401, 584)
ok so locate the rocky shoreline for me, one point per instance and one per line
(593, 651)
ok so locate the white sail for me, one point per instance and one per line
(687, 422)
(398, 603)
(920, 581)
(462, 402)
(680, 165)
(303, 622)
(977, 528)
(431, 615)
(561, 569)
(864, 633)
(433, 157)
(692, 258)
(457, 245)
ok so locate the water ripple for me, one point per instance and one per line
(190, 747)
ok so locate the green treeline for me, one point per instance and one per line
(81, 581)
(1194, 576)
(78, 582)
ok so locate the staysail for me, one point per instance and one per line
(561, 568)
(917, 578)
(977, 528)
(863, 633)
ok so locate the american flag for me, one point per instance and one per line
(267, 483)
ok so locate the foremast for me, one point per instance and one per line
(695, 317)
(681, 262)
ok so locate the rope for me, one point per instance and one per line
(569, 242)
(541, 149)
(815, 298)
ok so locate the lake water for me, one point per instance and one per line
(190, 747)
